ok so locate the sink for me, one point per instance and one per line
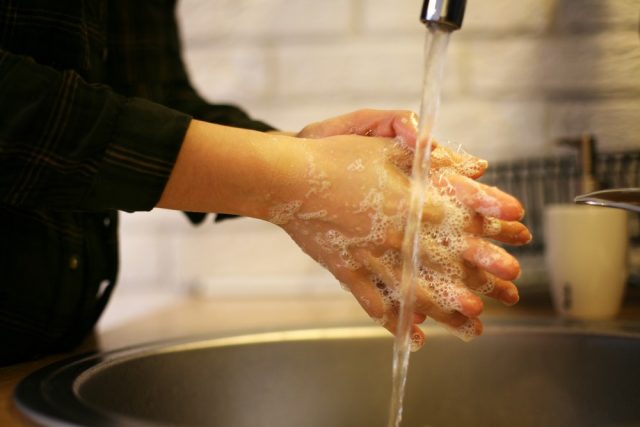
(514, 375)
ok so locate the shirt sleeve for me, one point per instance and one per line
(66, 144)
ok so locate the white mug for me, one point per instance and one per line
(586, 258)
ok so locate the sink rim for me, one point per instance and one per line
(50, 395)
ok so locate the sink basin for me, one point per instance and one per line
(517, 375)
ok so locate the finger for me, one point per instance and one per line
(458, 305)
(487, 284)
(392, 318)
(399, 124)
(486, 200)
(376, 303)
(511, 232)
(461, 305)
(491, 258)
(442, 159)
(460, 324)
(457, 161)
(375, 297)
(369, 297)
(467, 305)
(463, 322)
(419, 318)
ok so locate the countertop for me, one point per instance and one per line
(236, 315)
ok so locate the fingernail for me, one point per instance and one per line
(525, 236)
(511, 297)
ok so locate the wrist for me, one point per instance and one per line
(231, 170)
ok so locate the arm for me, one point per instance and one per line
(69, 145)
(210, 144)
(343, 201)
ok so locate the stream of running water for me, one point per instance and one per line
(435, 50)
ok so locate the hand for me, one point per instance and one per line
(399, 124)
(349, 215)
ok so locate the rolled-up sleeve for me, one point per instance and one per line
(69, 145)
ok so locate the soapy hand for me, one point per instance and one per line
(350, 216)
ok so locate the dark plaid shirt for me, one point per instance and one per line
(94, 104)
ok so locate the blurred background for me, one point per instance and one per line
(519, 77)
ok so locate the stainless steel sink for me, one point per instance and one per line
(517, 375)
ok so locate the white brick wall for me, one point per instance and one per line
(256, 21)
(519, 74)
(294, 62)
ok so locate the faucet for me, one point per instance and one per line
(447, 14)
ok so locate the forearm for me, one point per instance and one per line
(230, 170)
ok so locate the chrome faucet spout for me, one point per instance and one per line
(447, 14)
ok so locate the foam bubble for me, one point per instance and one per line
(466, 332)
(488, 286)
(356, 166)
(317, 179)
(380, 321)
(463, 163)
(487, 259)
(306, 216)
(401, 155)
(491, 226)
(487, 204)
(284, 212)
(391, 259)
(416, 343)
